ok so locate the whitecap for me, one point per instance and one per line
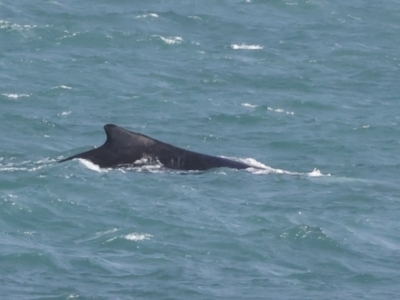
(46, 160)
(62, 87)
(138, 236)
(16, 96)
(316, 173)
(170, 40)
(6, 25)
(280, 110)
(246, 47)
(152, 15)
(13, 167)
(249, 105)
(31, 233)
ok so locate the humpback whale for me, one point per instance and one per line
(125, 148)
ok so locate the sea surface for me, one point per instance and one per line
(307, 90)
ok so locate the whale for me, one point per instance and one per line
(124, 148)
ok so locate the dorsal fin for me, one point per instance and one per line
(121, 137)
(113, 133)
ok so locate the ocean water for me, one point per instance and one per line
(309, 90)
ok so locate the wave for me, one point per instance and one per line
(246, 47)
(256, 168)
(15, 96)
(28, 166)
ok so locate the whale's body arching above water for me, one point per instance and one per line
(125, 148)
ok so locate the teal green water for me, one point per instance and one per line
(309, 89)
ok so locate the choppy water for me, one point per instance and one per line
(307, 88)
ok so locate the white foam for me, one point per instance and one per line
(35, 169)
(65, 87)
(154, 168)
(46, 160)
(141, 161)
(16, 96)
(280, 110)
(246, 47)
(100, 233)
(249, 105)
(69, 35)
(31, 233)
(316, 173)
(170, 40)
(259, 168)
(195, 17)
(5, 25)
(138, 236)
(256, 168)
(88, 164)
(11, 167)
(62, 87)
(151, 15)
